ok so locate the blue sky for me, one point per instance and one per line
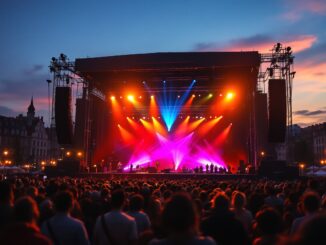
(35, 30)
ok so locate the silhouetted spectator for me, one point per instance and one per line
(241, 213)
(62, 228)
(311, 204)
(24, 230)
(180, 221)
(116, 227)
(136, 205)
(313, 232)
(222, 225)
(6, 204)
(269, 226)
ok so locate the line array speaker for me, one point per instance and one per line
(63, 115)
(277, 110)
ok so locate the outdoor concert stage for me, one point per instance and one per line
(174, 176)
(169, 110)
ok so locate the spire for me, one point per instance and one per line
(31, 109)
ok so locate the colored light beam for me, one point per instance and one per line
(222, 136)
(176, 149)
(137, 128)
(138, 160)
(195, 124)
(182, 127)
(158, 126)
(147, 125)
(126, 136)
(153, 107)
(209, 125)
(116, 109)
(170, 107)
(207, 155)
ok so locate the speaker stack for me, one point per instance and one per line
(276, 110)
(63, 115)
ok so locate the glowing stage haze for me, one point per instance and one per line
(168, 139)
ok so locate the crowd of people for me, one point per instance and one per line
(65, 210)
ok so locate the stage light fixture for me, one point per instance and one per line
(178, 96)
(131, 98)
(194, 95)
(152, 96)
(140, 97)
(112, 97)
(229, 95)
(210, 95)
(221, 95)
(121, 97)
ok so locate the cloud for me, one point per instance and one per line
(5, 111)
(261, 43)
(16, 94)
(308, 117)
(310, 113)
(35, 69)
(295, 9)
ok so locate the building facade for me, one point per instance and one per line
(24, 139)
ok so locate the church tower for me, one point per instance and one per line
(31, 112)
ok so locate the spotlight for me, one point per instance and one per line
(118, 125)
(194, 95)
(140, 97)
(221, 95)
(194, 81)
(210, 95)
(112, 97)
(144, 82)
(229, 96)
(164, 81)
(152, 96)
(130, 97)
(178, 96)
(121, 97)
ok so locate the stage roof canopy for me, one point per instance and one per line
(166, 66)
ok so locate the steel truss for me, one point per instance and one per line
(279, 64)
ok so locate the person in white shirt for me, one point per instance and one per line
(115, 227)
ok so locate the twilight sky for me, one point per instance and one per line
(35, 30)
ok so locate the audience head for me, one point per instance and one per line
(6, 193)
(268, 221)
(63, 201)
(239, 200)
(179, 214)
(221, 202)
(313, 231)
(311, 202)
(117, 199)
(136, 203)
(26, 210)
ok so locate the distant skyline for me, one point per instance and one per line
(33, 31)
